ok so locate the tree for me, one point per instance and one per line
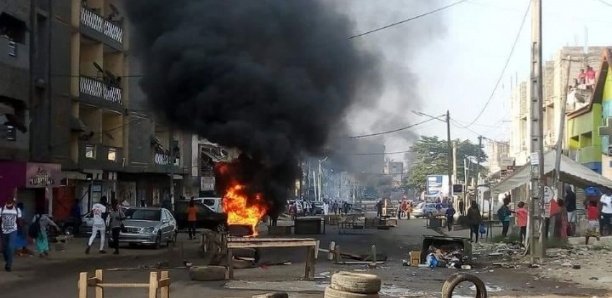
(429, 156)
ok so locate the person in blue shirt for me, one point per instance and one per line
(503, 215)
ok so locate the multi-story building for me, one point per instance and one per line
(87, 111)
(18, 100)
(396, 170)
(498, 155)
(588, 132)
(520, 109)
(556, 85)
(14, 79)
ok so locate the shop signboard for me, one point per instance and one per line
(41, 175)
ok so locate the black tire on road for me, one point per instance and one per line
(352, 282)
(333, 293)
(455, 279)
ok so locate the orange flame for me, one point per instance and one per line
(242, 211)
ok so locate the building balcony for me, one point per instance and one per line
(14, 54)
(99, 93)
(163, 162)
(105, 31)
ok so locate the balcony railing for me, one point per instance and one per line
(99, 89)
(164, 159)
(98, 23)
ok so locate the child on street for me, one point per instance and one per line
(593, 219)
(521, 220)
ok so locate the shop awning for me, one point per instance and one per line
(571, 172)
(6, 108)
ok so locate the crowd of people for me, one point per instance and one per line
(17, 234)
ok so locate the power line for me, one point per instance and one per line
(501, 75)
(409, 19)
(390, 131)
(383, 153)
(605, 3)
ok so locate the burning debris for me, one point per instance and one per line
(263, 77)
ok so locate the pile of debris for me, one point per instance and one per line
(498, 249)
(449, 255)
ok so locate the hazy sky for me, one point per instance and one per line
(452, 59)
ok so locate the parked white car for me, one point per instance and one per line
(425, 209)
(211, 202)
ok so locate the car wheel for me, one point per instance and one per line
(158, 241)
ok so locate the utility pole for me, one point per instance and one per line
(454, 162)
(478, 173)
(171, 161)
(536, 144)
(561, 132)
(450, 158)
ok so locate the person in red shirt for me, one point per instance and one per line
(593, 219)
(192, 217)
(521, 220)
(590, 77)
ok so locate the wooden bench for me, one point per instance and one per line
(161, 282)
(312, 246)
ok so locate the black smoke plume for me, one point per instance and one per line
(271, 78)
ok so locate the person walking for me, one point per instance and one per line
(10, 216)
(521, 220)
(379, 208)
(116, 217)
(605, 222)
(474, 219)
(503, 214)
(21, 245)
(450, 217)
(570, 206)
(461, 207)
(192, 212)
(99, 225)
(76, 214)
(42, 222)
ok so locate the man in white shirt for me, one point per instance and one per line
(606, 213)
(9, 214)
(99, 224)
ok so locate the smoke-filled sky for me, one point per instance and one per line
(451, 59)
(273, 79)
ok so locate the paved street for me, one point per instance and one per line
(58, 274)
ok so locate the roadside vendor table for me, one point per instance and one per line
(309, 243)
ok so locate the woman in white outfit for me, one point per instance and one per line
(99, 225)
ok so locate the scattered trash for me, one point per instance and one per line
(534, 266)
(449, 255)
(576, 266)
(405, 263)
(466, 267)
(490, 288)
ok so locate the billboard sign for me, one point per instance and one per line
(437, 185)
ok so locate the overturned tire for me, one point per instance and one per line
(455, 279)
(333, 293)
(207, 273)
(359, 283)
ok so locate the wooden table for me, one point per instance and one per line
(310, 243)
